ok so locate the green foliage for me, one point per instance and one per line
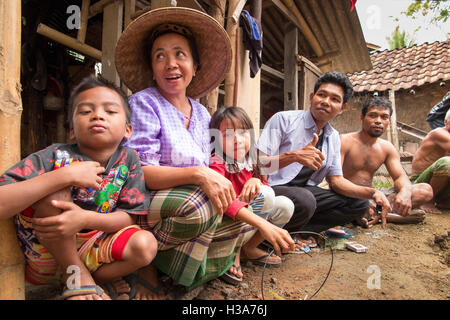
(438, 9)
(399, 39)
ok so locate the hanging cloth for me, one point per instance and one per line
(252, 39)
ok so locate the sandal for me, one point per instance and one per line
(134, 280)
(230, 277)
(82, 291)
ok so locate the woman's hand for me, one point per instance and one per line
(68, 223)
(218, 188)
(251, 188)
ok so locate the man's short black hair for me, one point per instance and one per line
(336, 78)
(376, 101)
(91, 82)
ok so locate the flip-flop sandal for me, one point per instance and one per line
(82, 291)
(262, 261)
(134, 280)
(230, 277)
(298, 250)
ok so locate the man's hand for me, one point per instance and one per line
(280, 239)
(85, 174)
(381, 200)
(63, 225)
(251, 188)
(402, 203)
(310, 156)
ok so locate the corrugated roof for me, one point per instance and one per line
(405, 68)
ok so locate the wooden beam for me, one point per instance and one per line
(67, 41)
(12, 264)
(97, 7)
(290, 68)
(237, 11)
(273, 72)
(393, 124)
(287, 13)
(303, 61)
(230, 78)
(304, 27)
(130, 10)
(81, 36)
(111, 31)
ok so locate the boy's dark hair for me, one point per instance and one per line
(336, 78)
(376, 101)
(233, 113)
(91, 82)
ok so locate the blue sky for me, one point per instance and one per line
(377, 24)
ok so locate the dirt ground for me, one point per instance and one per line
(403, 262)
(409, 262)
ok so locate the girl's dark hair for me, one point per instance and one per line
(240, 120)
(91, 82)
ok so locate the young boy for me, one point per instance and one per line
(78, 203)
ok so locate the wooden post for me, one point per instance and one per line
(393, 125)
(230, 78)
(12, 285)
(290, 68)
(211, 100)
(81, 36)
(111, 31)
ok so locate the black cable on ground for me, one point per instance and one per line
(329, 271)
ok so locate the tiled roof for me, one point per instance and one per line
(405, 68)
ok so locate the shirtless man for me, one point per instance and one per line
(431, 164)
(362, 153)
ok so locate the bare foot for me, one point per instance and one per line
(117, 289)
(145, 284)
(235, 268)
(257, 255)
(87, 290)
(430, 208)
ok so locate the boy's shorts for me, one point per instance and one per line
(95, 248)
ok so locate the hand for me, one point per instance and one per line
(251, 188)
(402, 203)
(66, 224)
(310, 156)
(280, 239)
(85, 174)
(381, 199)
(218, 189)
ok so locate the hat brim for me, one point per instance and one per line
(212, 42)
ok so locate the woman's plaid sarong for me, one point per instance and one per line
(195, 244)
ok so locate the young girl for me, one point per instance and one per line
(234, 157)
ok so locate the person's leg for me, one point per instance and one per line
(64, 250)
(304, 205)
(437, 175)
(334, 209)
(195, 244)
(133, 249)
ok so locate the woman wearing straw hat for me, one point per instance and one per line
(167, 57)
